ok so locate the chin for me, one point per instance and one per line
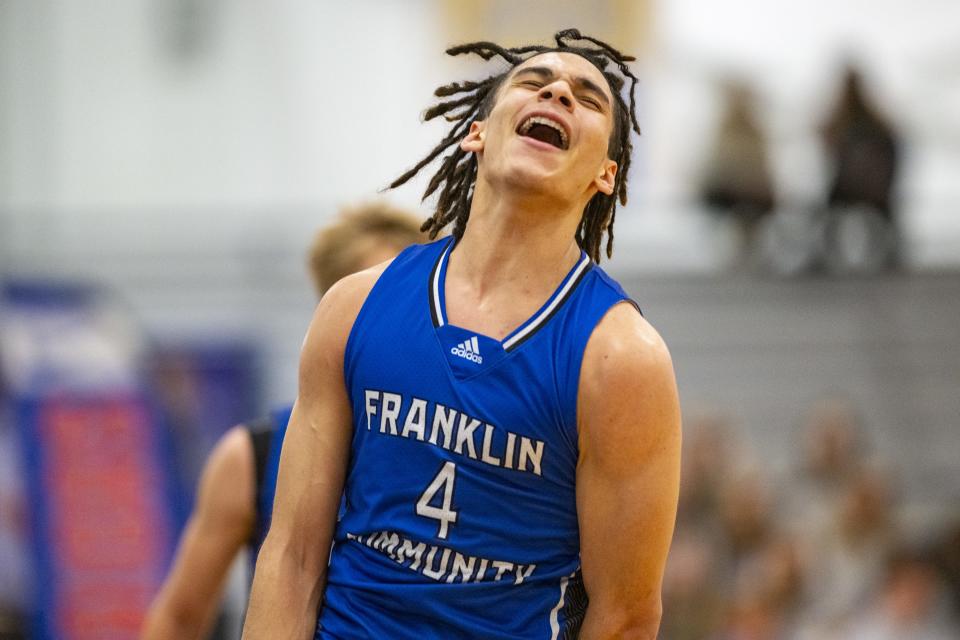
(531, 172)
(532, 179)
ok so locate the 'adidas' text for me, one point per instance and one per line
(468, 349)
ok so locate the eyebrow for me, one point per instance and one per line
(547, 74)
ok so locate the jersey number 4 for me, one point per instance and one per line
(444, 513)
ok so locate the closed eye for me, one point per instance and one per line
(591, 102)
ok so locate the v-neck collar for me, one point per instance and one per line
(438, 302)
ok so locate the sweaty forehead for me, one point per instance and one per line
(565, 63)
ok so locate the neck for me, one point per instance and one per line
(514, 236)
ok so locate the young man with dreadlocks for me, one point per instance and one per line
(499, 420)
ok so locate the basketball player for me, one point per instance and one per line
(499, 418)
(235, 496)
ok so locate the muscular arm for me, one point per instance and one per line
(291, 568)
(627, 475)
(219, 527)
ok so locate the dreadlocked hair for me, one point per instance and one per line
(463, 103)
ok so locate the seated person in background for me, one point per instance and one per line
(235, 496)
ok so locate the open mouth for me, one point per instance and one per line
(544, 130)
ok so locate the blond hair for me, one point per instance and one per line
(345, 246)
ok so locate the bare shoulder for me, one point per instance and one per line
(321, 357)
(627, 399)
(233, 451)
(227, 485)
(625, 345)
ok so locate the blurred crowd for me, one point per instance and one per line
(821, 551)
(850, 227)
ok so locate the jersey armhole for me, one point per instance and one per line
(349, 347)
(579, 364)
(352, 335)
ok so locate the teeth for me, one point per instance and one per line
(525, 128)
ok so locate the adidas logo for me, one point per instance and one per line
(468, 349)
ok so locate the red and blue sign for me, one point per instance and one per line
(101, 503)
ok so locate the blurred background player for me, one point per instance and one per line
(235, 494)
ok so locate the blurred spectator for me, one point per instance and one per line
(752, 615)
(863, 150)
(781, 571)
(706, 465)
(803, 561)
(692, 594)
(909, 604)
(737, 179)
(846, 560)
(766, 592)
(832, 453)
(746, 517)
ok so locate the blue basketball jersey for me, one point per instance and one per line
(460, 516)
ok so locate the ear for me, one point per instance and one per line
(473, 141)
(606, 177)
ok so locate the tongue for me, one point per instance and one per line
(545, 133)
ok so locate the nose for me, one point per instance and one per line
(558, 91)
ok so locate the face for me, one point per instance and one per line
(549, 129)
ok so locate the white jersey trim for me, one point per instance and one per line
(526, 330)
(435, 286)
(554, 614)
(557, 300)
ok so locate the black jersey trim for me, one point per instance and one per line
(531, 329)
(261, 436)
(574, 609)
